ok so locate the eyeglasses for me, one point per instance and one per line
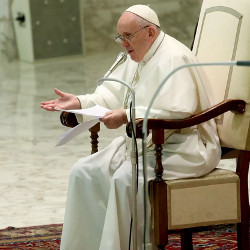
(127, 38)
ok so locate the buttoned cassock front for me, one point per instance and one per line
(98, 209)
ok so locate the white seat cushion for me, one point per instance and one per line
(208, 200)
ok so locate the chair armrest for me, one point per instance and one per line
(68, 119)
(236, 106)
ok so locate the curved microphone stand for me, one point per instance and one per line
(133, 158)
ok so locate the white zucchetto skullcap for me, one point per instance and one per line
(145, 12)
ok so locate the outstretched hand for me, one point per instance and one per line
(66, 101)
(115, 118)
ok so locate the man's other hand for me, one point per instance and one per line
(115, 118)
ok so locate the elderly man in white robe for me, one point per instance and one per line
(99, 203)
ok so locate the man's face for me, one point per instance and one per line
(140, 42)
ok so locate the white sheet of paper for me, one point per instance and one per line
(73, 132)
(97, 111)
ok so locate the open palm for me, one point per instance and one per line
(66, 101)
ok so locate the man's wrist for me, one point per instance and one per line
(80, 105)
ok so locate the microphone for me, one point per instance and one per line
(133, 151)
(145, 121)
(121, 58)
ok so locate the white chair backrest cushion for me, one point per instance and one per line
(223, 34)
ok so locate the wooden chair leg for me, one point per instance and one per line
(242, 236)
(243, 226)
(186, 239)
(94, 137)
(158, 197)
(158, 194)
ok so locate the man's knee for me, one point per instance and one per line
(78, 169)
(123, 175)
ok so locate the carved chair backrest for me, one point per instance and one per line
(223, 34)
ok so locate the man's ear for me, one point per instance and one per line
(152, 31)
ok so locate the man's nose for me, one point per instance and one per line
(124, 43)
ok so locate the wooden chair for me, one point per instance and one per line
(220, 197)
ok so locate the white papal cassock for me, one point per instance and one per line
(98, 208)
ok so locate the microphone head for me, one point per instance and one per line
(122, 57)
